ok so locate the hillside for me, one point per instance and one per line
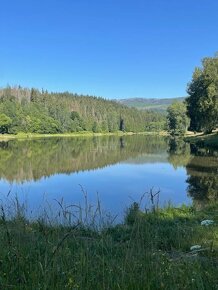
(34, 111)
(159, 105)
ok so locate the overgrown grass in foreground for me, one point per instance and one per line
(148, 251)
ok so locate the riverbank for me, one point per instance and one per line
(4, 137)
(148, 251)
(209, 140)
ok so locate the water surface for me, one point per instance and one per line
(117, 170)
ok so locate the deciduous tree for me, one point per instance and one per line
(202, 103)
(178, 121)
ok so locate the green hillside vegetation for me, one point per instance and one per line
(34, 111)
(159, 105)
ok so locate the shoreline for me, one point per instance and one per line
(207, 140)
(6, 137)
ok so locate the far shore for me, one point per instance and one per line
(5, 137)
(208, 140)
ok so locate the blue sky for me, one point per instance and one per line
(108, 48)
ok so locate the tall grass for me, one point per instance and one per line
(149, 250)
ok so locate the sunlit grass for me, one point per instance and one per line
(75, 134)
(147, 251)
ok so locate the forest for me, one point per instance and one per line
(34, 111)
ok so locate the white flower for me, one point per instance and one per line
(195, 247)
(207, 222)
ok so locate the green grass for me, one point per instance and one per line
(210, 140)
(148, 251)
(76, 134)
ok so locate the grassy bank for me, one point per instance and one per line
(209, 140)
(148, 251)
(76, 134)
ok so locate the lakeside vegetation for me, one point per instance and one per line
(149, 250)
(202, 103)
(60, 135)
(4, 137)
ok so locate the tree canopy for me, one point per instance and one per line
(202, 103)
(5, 123)
(177, 120)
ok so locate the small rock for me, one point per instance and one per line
(207, 222)
(195, 247)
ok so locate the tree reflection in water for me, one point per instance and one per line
(203, 175)
(202, 169)
(28, 160)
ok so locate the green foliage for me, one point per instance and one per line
(34, 94)
(5, 123)
(42, 112)
(132, 214)
(178, 121)
(122, 124)
(202, 102)
(96, 128)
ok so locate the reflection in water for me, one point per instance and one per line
(203, 175)
(30, 160)
(139, 162)
(179, 152)
(202, 169)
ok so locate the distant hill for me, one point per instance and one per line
(159, 105)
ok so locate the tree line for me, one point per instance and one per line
(34, 111)
(199, 112)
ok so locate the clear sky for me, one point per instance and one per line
(108, 48)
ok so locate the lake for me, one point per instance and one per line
(51, 173)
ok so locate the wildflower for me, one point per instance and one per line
(195, 247)
(207, 222)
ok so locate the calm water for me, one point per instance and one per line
(119, 170)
